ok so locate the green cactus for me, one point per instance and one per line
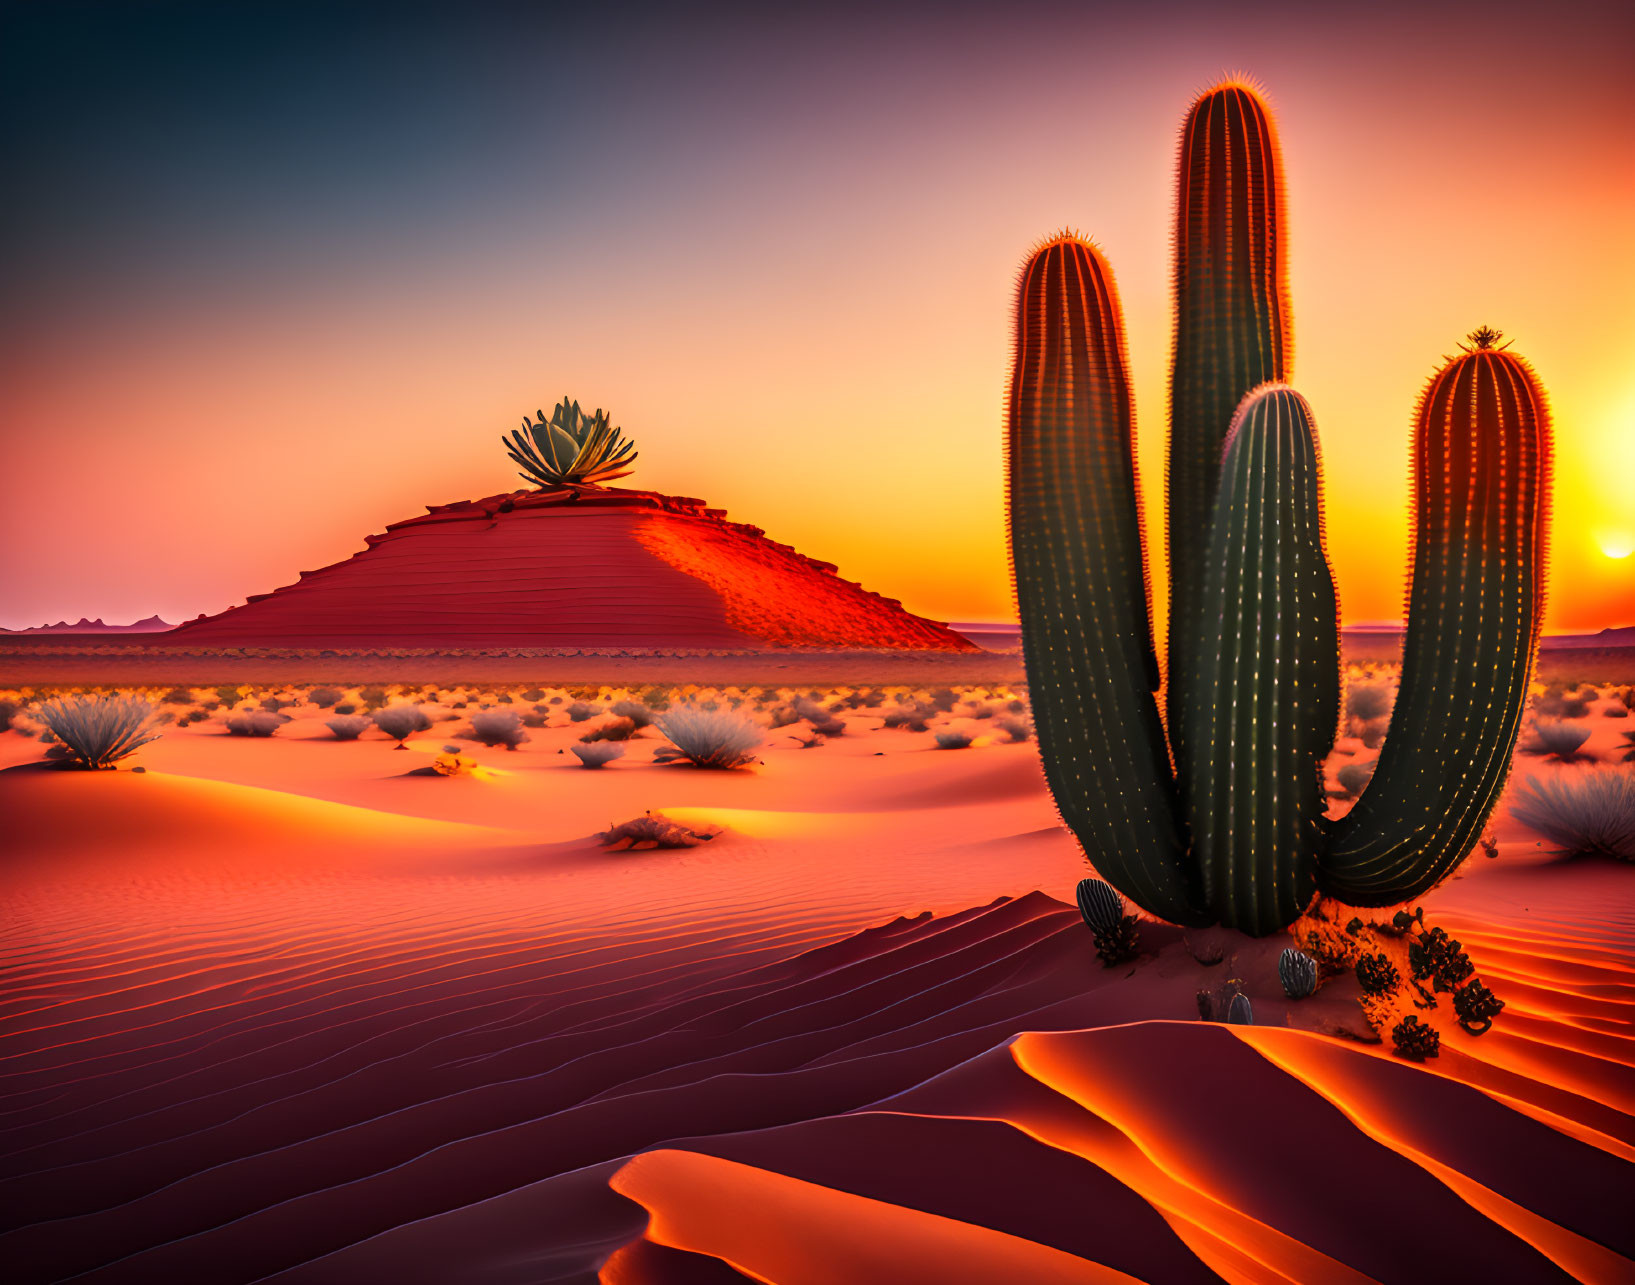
(1220, 816)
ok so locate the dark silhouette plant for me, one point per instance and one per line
(1219, 816)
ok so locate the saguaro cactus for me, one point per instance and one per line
(1235, 830)
(1233, 330)
(1481, 500)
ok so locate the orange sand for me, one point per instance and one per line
(281, 1010)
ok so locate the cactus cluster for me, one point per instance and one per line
(1216, 813)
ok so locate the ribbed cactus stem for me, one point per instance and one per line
(1481, 486)
(1081, 583)
(1232, 329)
(1266, 676)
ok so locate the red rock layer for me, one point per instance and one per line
(591, 569)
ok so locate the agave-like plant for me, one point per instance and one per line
(98, 731)
(570, 448)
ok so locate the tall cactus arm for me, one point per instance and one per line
(1481, 503)
(1266, 674)
(1081, 586)
(1232, 328)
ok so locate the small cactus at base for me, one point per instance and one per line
(1298, 973)
(1116, 933)
(1476, 1007)
(1206, 1005)
(1415, 1040)
(1377, 975)
(1240, 1012)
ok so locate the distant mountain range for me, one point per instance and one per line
(152, 625)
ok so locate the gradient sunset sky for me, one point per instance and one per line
(277, 275)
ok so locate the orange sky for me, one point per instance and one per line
(793, 292)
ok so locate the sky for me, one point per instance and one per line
(276, 275)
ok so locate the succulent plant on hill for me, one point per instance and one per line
(1220, 816)
(95, 732)
(570, 448)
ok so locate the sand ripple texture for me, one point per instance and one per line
(324, 1032)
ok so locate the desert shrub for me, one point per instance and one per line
(325, 697)
(177, 696)
(597, 753)
(578, 712)
(1016, 727)
(1586, 812)
(1629, 747)
(272, 704)
(718, 738)
(912, 716)
(97, 731)
(1354, 777)
(534, 694)
(373, 695)
(535, 718)
(401, 722)
(1365, 702)
(819, 716)
(655, 830)
(634, 711)
(944, 699)
(618, 729)
(498, 727)
(951, 740)
(1615, 710)
(346, 708)
(348, 727)
(1557, 740)
(8, 711)
(254, 722)
(228, 696)
(1556, 704)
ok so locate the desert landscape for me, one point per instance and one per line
(293, 1008)
(1192, 845)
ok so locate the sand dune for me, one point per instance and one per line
(279, 1011)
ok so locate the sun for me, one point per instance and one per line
(1618, 546)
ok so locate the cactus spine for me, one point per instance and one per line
(1481, 488)
(1235, 832)
(1232, 329)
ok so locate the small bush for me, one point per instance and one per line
(718, 738)
(1558, 705)
(254, 722)
(597, 753)
(1365, 702)
(97, 731)
(348, 727)
(654, 830)
(1615, 710)
(401, 722)
(325, 697)
(1015, 727)
(177, 696)
(619, 729)
(632, 711)
(1557, 740)
(1354, 777)
(498, 727)
(1588, 812)
(953, 741)
(533, 694)
(578, 712)
(374, 695)
(9, 710)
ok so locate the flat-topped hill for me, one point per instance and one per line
(588, 567)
